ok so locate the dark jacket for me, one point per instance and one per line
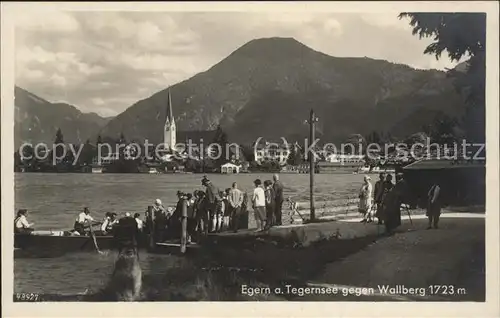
(178, 210)
(212, 193)
(126, 232)
(270, 197)
(278, 191)
(378, 191)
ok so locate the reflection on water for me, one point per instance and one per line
(54, 200)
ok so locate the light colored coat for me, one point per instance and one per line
(365, 198)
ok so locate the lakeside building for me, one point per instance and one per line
(462, 182)
(277, 152)
(345, 159)
(230, 168)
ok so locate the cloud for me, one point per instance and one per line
(52, 21)
(106, 61)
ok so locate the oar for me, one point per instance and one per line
(94, 239)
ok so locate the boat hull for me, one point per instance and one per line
(29, 245)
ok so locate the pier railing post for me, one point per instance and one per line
(150, 221)
(184, 227)
(312, 159)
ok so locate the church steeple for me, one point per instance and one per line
(169, 134)
(170, 113)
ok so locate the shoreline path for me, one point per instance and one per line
(448, 262)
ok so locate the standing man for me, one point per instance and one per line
(392, 204)
(434, 205)
(214, 204)
(191, 217)
(235, 199)
(378, 193)
(259, 205)
(278, 199)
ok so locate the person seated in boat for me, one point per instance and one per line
(21, 224)
(84, 219)
(109, 222)
(137, 218)
(104, 225)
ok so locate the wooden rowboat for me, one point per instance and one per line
(56, 243)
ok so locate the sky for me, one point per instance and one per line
(106, 61)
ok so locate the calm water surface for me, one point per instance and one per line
(54, 200)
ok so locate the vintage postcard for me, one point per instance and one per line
(250, 159)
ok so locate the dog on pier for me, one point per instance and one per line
(126, 280)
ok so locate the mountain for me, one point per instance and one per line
(37, 120)
(267, 87)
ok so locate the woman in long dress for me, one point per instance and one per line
(392, 205)
(387, 186)
(366, 200)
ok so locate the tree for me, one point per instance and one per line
(59, 137)
(374, 138)
(419, 137)
(357, 141)
(87, 154)
(461, 35)
(248, 153)
(59, 140)
(443, 129)
(122, 140)
(221, 140)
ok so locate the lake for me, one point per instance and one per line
(54, 200)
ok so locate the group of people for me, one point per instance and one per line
(213, 210)
(267, 203)
(385, 200)
(107, 226)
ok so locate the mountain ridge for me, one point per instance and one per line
(266, 87)
(37, 120)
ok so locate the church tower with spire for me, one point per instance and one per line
(169, 132)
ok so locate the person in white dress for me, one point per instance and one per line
(366, 200)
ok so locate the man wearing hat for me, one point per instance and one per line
(393, 202)
(214, 204)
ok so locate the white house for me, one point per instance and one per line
(107, 159)
(230, 168)
(272, 152)
(344, 158)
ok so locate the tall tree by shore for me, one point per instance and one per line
(460, 35)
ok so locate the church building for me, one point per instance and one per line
(171, 136)
(170, 130)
